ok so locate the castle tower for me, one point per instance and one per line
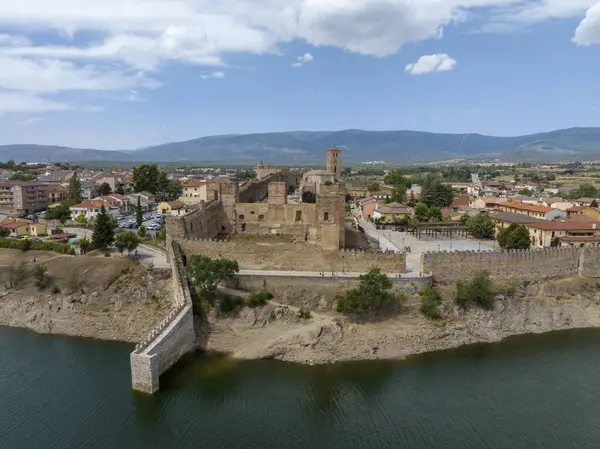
(330, 216)
(334, 162)
(277, 193)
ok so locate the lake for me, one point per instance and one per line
(535, 391)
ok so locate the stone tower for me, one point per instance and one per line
(330, 216)
(277, 193)
(334, 162)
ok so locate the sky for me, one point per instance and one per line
(125, 74)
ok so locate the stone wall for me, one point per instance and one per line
(257, 254)
(589, 264)
(171, 339)
(204, 222)
(297, 220)
(525, 265)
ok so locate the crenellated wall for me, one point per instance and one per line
(302, 256)
(525, 265)
(171, 339)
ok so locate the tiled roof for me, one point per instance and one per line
(88, 205)
(14, 223)
(527, 207)
(512, 217)
(564, 226)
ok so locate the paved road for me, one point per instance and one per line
(385, 244)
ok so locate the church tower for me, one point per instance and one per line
(334, 162)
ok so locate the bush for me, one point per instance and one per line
(230, 303)
(55, 290)
(16, 275)
(304, 313)
(372, 294)
(40, 275)
(430, 304)
(477, 291)
(258, 299)
(27, 244)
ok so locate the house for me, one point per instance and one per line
(89, 191)
(579, 241)
(503, 220)
(147, 199)
(544, 234)
(367, 207)
(91, 209)
(115, 200)
(19, 227)
(488, 202)
(415, 191)
(592, 212)
(449, 214)
(536, 211)
(56, 192)
(524, 199)
(393, 212)
(562, 205)
(195, 190)
(584, 201)
(460, 203)
(575, 210)
(172, 208)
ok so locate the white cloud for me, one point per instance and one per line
(212, 75)
(30, 121)
(440, 62)
(588, 31)
(12, 40)
(301, 60)
(23, 102)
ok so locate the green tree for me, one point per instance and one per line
(481, 226)
(81, 219)
(40, 274)
(477, 291)
(120, 190)
(387, 200)
(372, 294)
(4, 232)
(74, 194)
(435, 193)
(84, 244)
(112, 220)
(412, 199)
(142, 231)
(516, 236)
(60, 212)
(128, 240)
(594, 203)
(145, 178)
(374, 188)
(104, 234)
(105, 189)
(430, 303)
(207, 274)
(139, 219)
(526, 192)
(422, 212)
(435, 214)
(399, 193)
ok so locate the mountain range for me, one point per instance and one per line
(309, 147)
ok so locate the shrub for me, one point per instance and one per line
(430, 304)
(24, 245)
(230, 303)
(55, 290)
(106, 254)
(16, 275)
(304, 313)
(258, 299)
(40, 275)
(74, 283)
(477, 291)
(372, 294)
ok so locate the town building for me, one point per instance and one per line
(19, 227)
(115, 200)
(536, 211)
(56, 193)
(544, 234)
(91, 209)
(23, 197)
(503, 220)
(176, 208)
(393, 212)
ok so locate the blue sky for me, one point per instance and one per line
(130, 73)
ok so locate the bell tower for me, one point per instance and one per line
(334, 162)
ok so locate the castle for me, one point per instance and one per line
(264, 207)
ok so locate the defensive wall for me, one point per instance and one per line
(524, 265)
(301, 256)
(171, 338)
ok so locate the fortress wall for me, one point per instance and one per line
(590, 262)
(264, 255)
(171, 339)
(204, 222)
(525, 265)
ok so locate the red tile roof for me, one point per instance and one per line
(14, 223)
(576, 208)
(564, 226)
(527, 207)
(88, 205)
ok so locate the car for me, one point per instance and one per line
(35, 239)
(132, 226)
(153, 227)
(123, 225)
(25, 237)
(131, 221)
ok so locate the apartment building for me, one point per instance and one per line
(23, 197)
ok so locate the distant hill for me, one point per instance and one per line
(358, 145)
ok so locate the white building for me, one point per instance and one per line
(91, 209)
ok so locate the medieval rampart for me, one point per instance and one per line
(302, 256)
(525, 265)
(170, 339)
(204, 222)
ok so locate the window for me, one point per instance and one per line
(243, 227)
(252, 213)
(216, 196)
(261, 218)
(326, 216)
(241, 217)
(298, 215)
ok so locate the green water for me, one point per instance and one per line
(528, 392)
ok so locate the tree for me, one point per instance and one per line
(128, 240)
(478, 291)
(430, 304)
(397, 178)
(412, 200)
(74, 194)
(60, 212)
(435, 193)
(114, 223)
(422, 212)
(139, 219)
(435, 214)
(104, 234)
(40, 275)
(105, 189)
(142, 231)
(84, 244)
(4, 233)
(526, 192)
(145, 178)
(374, 188)
(516, 236)
(594, 203)
(388, 200)
(207, 274)
(372, 294)
(399, 193)
(81, 219)
(120, 190)
(481, 226)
